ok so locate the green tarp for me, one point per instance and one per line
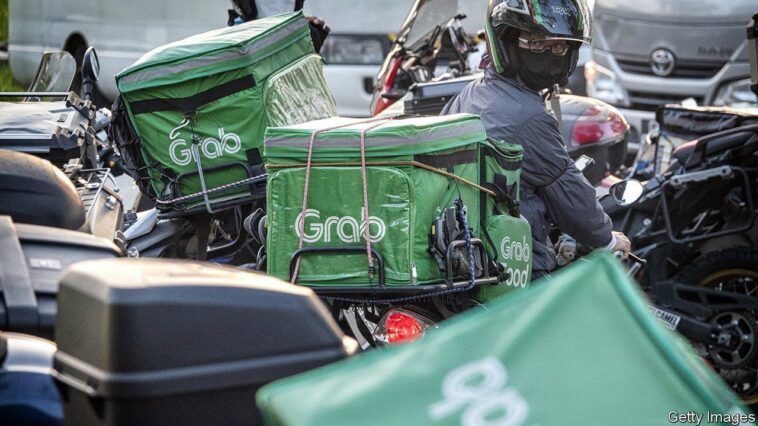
(579, 349)
(221, 89)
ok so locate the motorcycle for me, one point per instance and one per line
(255, 330)
(60, 205)
(694, 225)
(71, 135)
(699, 215)
(432, 36)
(29, 395)
(693, 228)
(718, 320)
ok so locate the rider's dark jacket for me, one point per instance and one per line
(552, 188)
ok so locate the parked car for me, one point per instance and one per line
(649, 53)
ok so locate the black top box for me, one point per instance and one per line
(149, 329)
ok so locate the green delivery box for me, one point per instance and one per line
(415, 169)
(200, 106)
(580, 349)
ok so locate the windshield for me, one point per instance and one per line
(428, 15)
(55, 73)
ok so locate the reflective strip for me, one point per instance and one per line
(444, 161)
(225, 55)
(342, 140)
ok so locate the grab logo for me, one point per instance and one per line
(480, 391)
(519, 251)
(346, 228)
(180, 150)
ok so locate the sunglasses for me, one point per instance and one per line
(540, 46)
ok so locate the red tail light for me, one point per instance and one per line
(382, 103)
(597, 125)
(400, 326)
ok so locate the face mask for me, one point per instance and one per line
(542, 70)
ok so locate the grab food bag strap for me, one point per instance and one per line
(306, 185)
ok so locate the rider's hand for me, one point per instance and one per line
(319, 31)
(622, 244)
(319, 23)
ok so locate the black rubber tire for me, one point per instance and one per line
(704, 269)
(740, 263)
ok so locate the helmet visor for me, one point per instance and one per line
(553, 19)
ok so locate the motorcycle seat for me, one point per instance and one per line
(34, 191)
(729, 141)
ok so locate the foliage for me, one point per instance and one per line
(7, 84)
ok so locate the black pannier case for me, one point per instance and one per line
(158, 342)
(32, 259)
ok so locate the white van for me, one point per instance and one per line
(121, 31)
(124, 30)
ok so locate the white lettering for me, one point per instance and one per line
(180, 152)
(520, 252)
(478, 389)
(346, 228)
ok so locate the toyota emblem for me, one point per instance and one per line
(662, 62)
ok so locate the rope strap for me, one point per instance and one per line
(393, 163)
(364, 178)
(308, 165)
(222, 188)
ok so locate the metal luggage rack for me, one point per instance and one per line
(91, 186)
(448, 284)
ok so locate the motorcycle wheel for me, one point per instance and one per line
(733, 270)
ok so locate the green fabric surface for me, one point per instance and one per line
(580, 348)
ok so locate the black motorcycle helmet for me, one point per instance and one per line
(248, 11)
(548, 19)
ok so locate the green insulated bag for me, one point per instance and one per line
(199, 108)
(506, 234)
(500, 171)
(510, 238)
(415, 170)
(581, 349)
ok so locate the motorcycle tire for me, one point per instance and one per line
(734, 269)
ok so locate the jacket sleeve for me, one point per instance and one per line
(569, 198)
